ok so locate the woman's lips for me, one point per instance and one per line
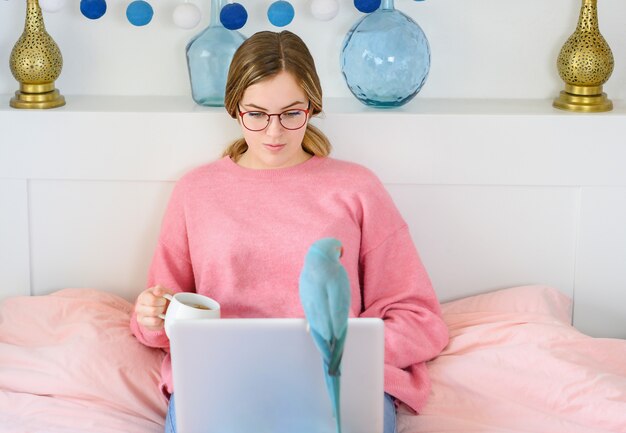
(274, 147)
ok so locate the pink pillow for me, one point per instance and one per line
(515, 363)
(540, 302)
(76, 345)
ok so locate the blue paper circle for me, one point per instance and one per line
(93, 9)
(367, 6)
(233, 16)
(280, 13)
(139, 13)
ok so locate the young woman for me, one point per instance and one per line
(238, 229)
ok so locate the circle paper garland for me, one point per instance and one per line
(186, 15)
(139, 13)
(367, 6)
(233, 16)
(280, 13)
(93, 9)
(324, 10)
(51, 5)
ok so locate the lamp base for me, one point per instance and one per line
(583, 99)
(37, 96)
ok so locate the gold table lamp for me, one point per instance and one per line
(585, 63)
(36, 63)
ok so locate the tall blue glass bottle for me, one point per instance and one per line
(208, 58)
(385, 58)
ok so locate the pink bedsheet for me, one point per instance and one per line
(69, 364)
(514, 364)
(32, 413)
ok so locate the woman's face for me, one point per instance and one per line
(275, 146)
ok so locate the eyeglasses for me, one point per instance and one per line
(258, 120)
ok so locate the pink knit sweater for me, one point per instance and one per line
(240, 236)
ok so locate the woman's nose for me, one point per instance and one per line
(274, 127)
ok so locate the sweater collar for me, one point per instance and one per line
(301, 169)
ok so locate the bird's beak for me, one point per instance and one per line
(340, 252)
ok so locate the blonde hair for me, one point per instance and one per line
(262, 56)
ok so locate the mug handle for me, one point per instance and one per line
(169, 298)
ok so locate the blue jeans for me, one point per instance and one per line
(389, 416)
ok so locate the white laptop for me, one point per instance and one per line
(266, 376)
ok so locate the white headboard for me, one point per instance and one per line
(497, 193)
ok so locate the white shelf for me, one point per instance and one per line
(119, 104)
(418, 106)
(428, 141)
(496, 192)
(473, 107)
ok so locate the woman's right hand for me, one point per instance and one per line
(150, 303)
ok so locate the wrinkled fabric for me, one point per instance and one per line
(516, 365)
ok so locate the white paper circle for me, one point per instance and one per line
(186, 15)
(324, 10)
(51, 5)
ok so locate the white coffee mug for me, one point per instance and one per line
(187, 305)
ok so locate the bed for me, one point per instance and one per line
(514, 363)
(522, 234)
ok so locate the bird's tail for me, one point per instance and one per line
(333, 385)
(334, 364)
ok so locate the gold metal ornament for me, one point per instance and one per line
(585, 63)
(36, 63)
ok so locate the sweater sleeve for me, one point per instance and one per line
(171, 264)
(397, 289)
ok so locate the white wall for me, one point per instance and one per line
(480, 48)
(496, 193)
(499, 188)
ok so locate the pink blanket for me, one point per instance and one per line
(514, 364)
(69, 364)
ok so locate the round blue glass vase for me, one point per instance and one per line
(208, 58)
(385, 58)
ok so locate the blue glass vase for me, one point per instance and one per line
(385, 58)
(208, 58)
